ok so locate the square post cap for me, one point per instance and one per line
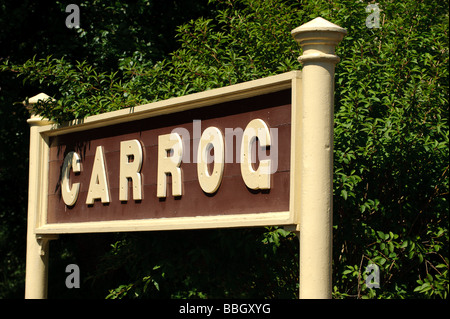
(35, 119)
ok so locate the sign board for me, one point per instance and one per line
(221, 158)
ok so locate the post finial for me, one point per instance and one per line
(318, 39)
(36, 119)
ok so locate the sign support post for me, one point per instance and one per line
(318, 39)
(37, 245)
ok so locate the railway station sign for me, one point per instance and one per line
(258, 153)
(219, 158)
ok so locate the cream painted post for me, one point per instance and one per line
(37, 245)
(318, 39)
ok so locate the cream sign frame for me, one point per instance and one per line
(310, 208)
(290, 80)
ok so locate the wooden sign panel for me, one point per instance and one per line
(219, 158)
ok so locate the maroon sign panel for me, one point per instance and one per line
(231, 197)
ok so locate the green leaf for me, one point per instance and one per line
(380, 234)
(391, 247)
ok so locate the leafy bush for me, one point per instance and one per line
(391, 148)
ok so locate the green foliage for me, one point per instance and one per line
(229, 263)
(391, 182)
(94, 93)
(391, 142)
(229, 49)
